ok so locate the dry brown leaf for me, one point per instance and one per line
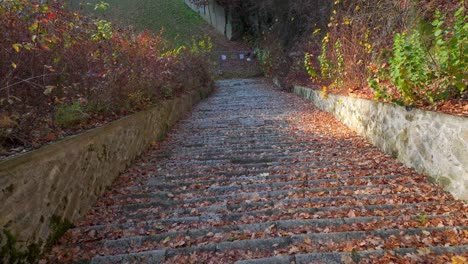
(294, 250)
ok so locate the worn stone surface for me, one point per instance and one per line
(432, 143)
(64, 179)
(256, 175)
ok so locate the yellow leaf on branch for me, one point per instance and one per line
(16, 47)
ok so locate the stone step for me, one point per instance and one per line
(206, 153)
(151, 170)
(263, 210)
(154, 232)
(260, 190)
(262, 162)
(271, 160)
(141, 177)
(303, 156)
(255, 174)
(407, 255)
(155, 185)
(373, 239)
(152, 173)
(238, 195)
(318, 207)
(254, 201)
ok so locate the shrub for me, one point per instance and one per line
(408, 69)
(54, 62)
(450, 51)
(427, 74)
(69, 115)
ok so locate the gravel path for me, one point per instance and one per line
(256, 175)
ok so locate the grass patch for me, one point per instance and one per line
(69, 115)
(179, 22)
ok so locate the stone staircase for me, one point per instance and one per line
(256, 175)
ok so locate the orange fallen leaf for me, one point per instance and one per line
(50, 136)
(459, 260)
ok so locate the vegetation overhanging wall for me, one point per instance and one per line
(54, 186)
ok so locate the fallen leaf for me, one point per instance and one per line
(294, 250)
(50, 136)
(427, 233)
(459, 260)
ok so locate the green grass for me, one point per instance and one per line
(179, 22)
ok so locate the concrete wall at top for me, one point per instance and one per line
(215, 15)
(432, 143)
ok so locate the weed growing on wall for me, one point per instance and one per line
(10, 253)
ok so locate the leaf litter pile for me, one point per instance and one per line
(255, 175)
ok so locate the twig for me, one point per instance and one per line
(28, 79)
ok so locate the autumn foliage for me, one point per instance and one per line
(62, 70)
(406, 52)
(401, 51)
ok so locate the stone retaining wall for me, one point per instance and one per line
(433, 143)
(64, 179)
(216, 15)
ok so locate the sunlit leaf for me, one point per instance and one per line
(49, 89)
(16, 47)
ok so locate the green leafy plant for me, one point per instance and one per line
(374, 81)
(339, 62)
(451, 51)
(423, 220)
(309, 67)
(167, 91)
(69, 115)
(264, 59)
(100, 6)
(103, 30)
(425, 74)
(325, 64)
(408, 69)
(202, 46)
(330, 69)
